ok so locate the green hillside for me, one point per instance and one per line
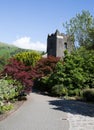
(9, 50)
(6, 52)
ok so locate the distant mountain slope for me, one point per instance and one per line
(7, 51)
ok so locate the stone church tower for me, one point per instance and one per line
(57, 43)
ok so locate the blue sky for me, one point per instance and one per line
(26, 23)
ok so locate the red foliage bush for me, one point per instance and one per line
(46, 65)
(27, 74)
(20, 72)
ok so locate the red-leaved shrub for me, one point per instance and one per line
(45, 66)
(20, 72)
(28, 74)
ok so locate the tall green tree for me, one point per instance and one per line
(79, 26)
(91, 38)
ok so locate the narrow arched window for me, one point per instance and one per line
(65, 45)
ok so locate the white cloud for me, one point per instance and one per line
(26, 43)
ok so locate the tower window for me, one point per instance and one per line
(65, 45)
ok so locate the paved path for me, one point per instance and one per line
(46, 113)
(37, 113)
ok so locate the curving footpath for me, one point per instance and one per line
(37, 113)
(41, 112)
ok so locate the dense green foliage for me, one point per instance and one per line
(90, 39)
(9, 92)
(68, 77)
(71, 76)
(79, 69)
(59, 90)
(28, 58)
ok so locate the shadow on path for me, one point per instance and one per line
(74, 107)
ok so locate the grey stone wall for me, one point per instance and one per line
(57, 43)
(51, 45)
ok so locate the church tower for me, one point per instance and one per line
(57, 43)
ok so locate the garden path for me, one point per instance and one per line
(41, 112)
(37, 113)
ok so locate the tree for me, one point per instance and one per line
(79, 26)
(44, 68)
(74, 75)
(91, 38)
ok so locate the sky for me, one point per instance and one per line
(27, 23)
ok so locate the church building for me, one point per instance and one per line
(57, 43)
